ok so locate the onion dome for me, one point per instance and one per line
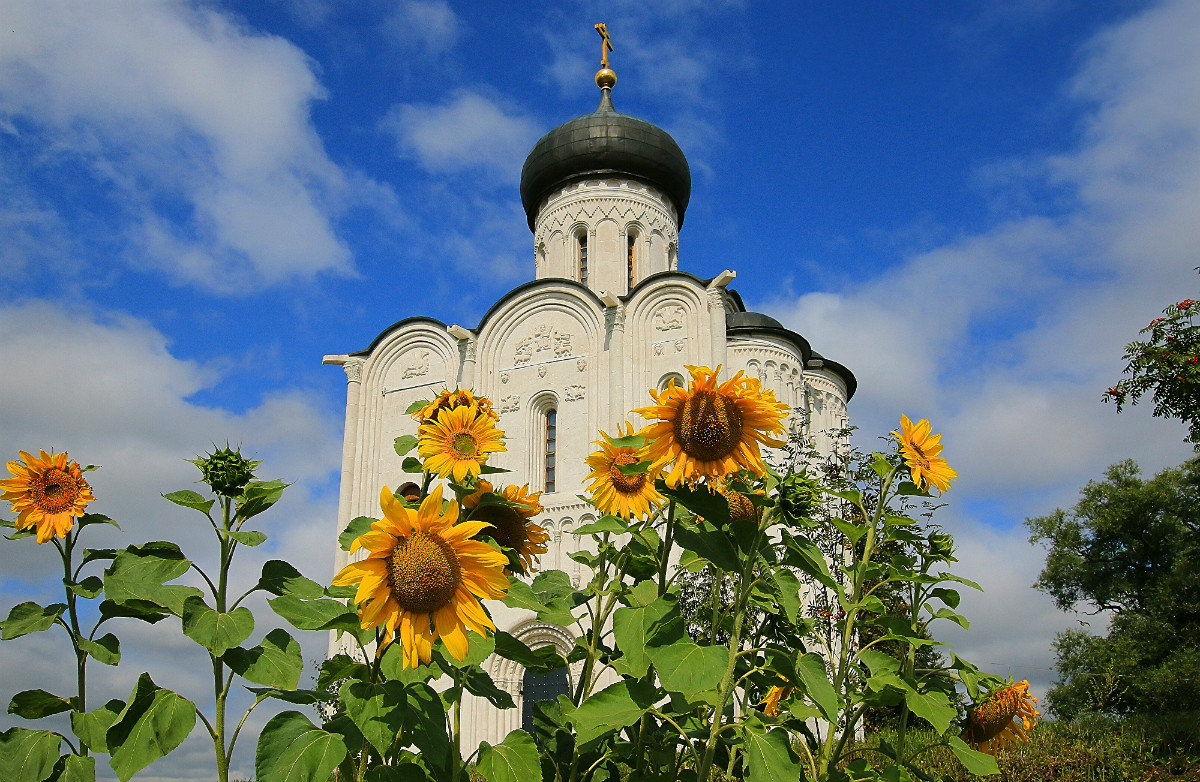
(605, 143)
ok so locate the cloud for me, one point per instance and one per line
(198, 129)
(466, 132)
(427, 27)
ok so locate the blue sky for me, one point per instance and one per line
(973, 205)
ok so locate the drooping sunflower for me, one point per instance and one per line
(770, 704)
(458, 442)
(510, 525)
(712, 430)
(920, 449)
(47, 493)
(613, 491)
(1002, 719)
(740, 506)
(424, 577)
(448, 400)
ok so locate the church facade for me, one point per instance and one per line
(608, 315)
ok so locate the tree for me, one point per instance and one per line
(1132, 547)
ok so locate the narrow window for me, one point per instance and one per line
(581, 239)
(551, 446)
(630, 239)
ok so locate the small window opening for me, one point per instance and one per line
(581, 239)
(551, 446)
(630, 241)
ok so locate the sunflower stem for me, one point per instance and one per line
(220, 686)
(67, 552)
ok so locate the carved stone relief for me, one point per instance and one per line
(669, 318)
(544, 339)
(510, 404)
(417, 366)
(573, 393)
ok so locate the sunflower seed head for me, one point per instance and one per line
(799, 496)
(226, 471)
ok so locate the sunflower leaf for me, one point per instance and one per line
(292, 749)
(134, 609)
(850, 495)
(74, 768)
(299, 697)
(141, 573)
(29, 617)
(811, 670)
(705, 539)
(978, 763)
(320, 614)
(28, 755)
(690, 669)
(92, 554)
(275, 662)
(377, 709)
(190, 499)
(637, 468)
(34, 704)
(637, 628)
(357, 527)
(412, 464)
(769, 755)
(281, 578)
(613, 708)
(342, 666)
(248, 537)
(628, 441)
(404, 444)
(96, 518)
(910, 489)
(933, 707)
(87, 588)
(214, 630)
(91, 727)
(806, 556)
(513, 760)
(106, 649)
(880, 464)
(153, 723)
(480, 683)
(606, 523)
(700, 501)
(541, 660)
(488, 469)
(258, 496)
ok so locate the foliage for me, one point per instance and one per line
(1130, 546)
(1165, 365)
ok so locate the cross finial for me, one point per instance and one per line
(605, 44)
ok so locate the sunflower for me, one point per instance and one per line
(993, 723)
(48, 492)
(510, 525)
(770, 704)
(458, 442)
(712, 430)
(920, 450)
(448, 400)
(740, 506)
(612, 490)
(424, 577)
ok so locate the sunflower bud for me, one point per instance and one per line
(941, 546)
(799, 496)
(226, 471)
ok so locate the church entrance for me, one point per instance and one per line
(537, 687)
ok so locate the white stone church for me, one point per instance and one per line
(608, 315)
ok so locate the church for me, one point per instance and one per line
(608, 315)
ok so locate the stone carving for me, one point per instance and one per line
(573, 393)
(418, 367)
(669, 318)
(581, 364)
(544, 338)
(679, 345)
(353, 369)
(510, 404)
(541, 370)
(503, 377)
(658, 349)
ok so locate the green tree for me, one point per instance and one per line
(1132, 547)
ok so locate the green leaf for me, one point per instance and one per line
(153, 723)
(321, 614)
(613, 708)
(75, 768)
(25, 618)
(92, 727)
(257, 497)
(34, 704)
(218, 632)
(275, 662)
(141, 572)
(541, 660)
(299, 697)
(606, 523)
(702, 502)
(377, 709)
(411, 464)
(978, 763)
(513, 760)
(342, 666)
(637, 468)
(416, 406)
(810, 560)
(106, 649)
(638, 628)
(404, 444)
(92, 554)
(958, 619)
(248, 537)
(811, 668)
(769, 755)
(425, 724)
(880, 464)
(480, 683)
(933, 707)
(292, 749)
(850, 495)
(133, 609)
(709, 542)
(950, 597)
(280, 578)
(629, 441)
(786, 589)
(688, 668)
(28, 755)
(190, 499)
(357, 527)
(87, 588)
(96, 518)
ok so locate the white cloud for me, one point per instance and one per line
(466, 132)
(428, 27)
(200, 125)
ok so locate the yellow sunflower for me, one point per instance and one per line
(424, 577)
(740, 506)
(458, 442)
(920, 449)
(48, 492)
(770, 704)
(613, 491)
(1003, 719)
(510, 525)
(448, 400)
(712, 430)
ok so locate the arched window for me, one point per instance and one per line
(551, 446)
(538, 687)
(671, 377)
(582, 254)
(630, 244)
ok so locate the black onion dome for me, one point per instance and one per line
(605, 143)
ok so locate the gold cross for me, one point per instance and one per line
(605, 44)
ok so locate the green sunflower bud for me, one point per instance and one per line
(941, 546)
(226, 471)
(799, 496)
